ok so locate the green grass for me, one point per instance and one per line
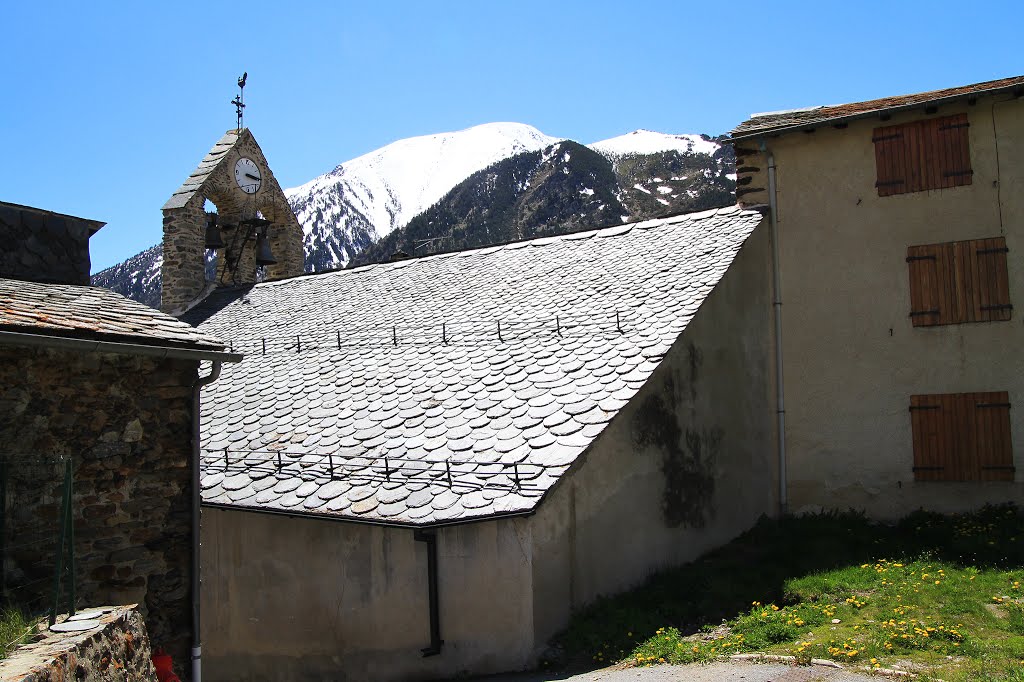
(939, 595)
(14, 627)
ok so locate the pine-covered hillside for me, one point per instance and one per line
(563, 188)
(137, 278)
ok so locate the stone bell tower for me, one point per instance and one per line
(252, 211)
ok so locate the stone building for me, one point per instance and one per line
(110, 383)
(900, 228)
(422, 468)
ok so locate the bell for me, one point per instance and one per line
(263, 255)
(213, 238)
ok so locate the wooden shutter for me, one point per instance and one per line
(992, 428)
(931, 437)
(959, 282)
(952, 152)
(922, 155)
(925, 285)
(962, 437)
(890, 160)
(965, 282)
(990, 280)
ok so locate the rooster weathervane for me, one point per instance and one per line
(239, 101)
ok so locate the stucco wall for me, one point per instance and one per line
(126, 424)
(308, 599)
(852, 358)
(686, 466)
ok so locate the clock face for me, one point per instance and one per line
(247, 175)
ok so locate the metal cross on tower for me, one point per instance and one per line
(239, 100)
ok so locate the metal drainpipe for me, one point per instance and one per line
(430, 538)
(780, 400)
(197, 644)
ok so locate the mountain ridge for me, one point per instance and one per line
(354, 213)
(563, 188)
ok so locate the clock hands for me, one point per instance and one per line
(248, 175)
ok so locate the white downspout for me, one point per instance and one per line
(780, 400)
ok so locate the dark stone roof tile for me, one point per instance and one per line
(93, 313)
(775, 123)
(428, 433)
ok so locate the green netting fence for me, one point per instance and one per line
(37, 534)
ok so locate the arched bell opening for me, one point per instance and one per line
(230, 238)
(283, 242)
(213, 240)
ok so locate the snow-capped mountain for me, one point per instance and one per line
(567, 187)
(364, 199)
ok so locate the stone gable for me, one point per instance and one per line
(184, 222)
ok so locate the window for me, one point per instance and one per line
(929, 154)
(959, 282)
(962, 437)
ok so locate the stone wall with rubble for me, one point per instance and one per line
(115, 649)
(126, 424)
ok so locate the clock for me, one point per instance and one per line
(247, 175)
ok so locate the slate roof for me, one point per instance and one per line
(390, 394)
(777, 123)
(92, 225)
(94, 313)
(209, 163)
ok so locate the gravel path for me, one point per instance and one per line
(722, 671)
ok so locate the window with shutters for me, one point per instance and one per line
(959, 282)
(922, 155)
(962, 437)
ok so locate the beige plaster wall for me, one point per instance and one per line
(686, 466)
(852, 358)
(307, 599)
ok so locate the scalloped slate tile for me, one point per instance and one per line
(365, 505)
(468, 409)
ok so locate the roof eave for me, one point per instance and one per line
(337, 518)
(93, 225)
(116, 347)
(1017, 89)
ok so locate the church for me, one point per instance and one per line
(422, 468)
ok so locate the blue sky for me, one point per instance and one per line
(109, 105)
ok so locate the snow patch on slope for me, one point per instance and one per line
(650, 142)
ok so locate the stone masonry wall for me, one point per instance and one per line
(183, 273)
(44, 247)
(126, 422)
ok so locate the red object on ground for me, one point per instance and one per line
(164, 667)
